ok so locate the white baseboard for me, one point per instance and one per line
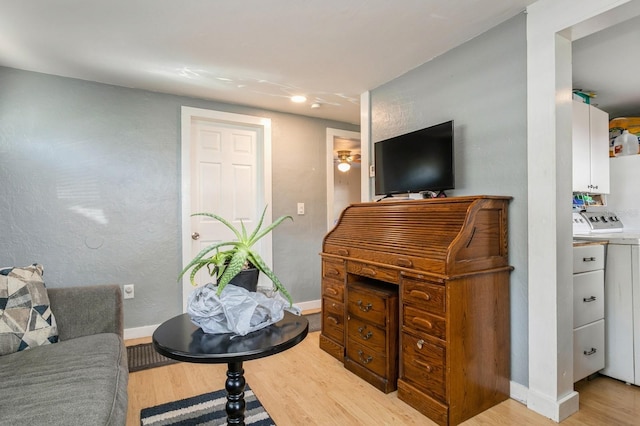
(518, 392)
(311, 305)
(556, 410)
(138, 332)
(147, 331)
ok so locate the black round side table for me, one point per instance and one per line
(180, 339)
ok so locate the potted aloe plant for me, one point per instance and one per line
(225, 260)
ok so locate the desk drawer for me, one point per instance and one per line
(333, 269)
(419, 320)
(428, 296)
(368, 304)
(333, 289)
(333, 320)
(367, 270)
(588, 258)
(367, 334)
(363, 355)
(423, 365)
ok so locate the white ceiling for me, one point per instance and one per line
(248, 52)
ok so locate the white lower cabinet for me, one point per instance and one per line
(588, 310)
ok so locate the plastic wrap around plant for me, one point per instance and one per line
(235, 310)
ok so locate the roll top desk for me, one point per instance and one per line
(415, 297)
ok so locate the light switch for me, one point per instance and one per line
(300, 208)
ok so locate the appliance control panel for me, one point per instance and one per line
(580, 224)
(602, 221)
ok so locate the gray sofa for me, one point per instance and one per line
(82, 379)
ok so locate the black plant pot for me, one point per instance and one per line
(247, 279)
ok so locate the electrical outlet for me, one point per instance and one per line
(300, 208)
(128, 291)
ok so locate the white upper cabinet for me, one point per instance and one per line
(590, 149)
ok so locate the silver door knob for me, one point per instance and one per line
(195, 236)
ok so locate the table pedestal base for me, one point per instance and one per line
(235, 394)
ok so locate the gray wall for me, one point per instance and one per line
(481, 85)
(90, 181)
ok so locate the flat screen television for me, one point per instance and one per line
(415, 162)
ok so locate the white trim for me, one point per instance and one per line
(311, 305)
(331, 135)
(518, 392)
(264, 129)
(138, 332)
(549, 29)
(366, 147)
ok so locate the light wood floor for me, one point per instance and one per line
(306, 386)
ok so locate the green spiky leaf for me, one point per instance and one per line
(226, 264)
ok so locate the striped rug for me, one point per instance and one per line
(206, 409)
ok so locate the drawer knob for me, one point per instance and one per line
(427, 368)
(343, 252)
(364, 360)
(331, 291)
(368, 271)
(365, 336)
(333, 271)
(402, 261)
(363, 307)
(422, 322)
(588, 259)
(332, 319)
(420, 294)
(420, 343)
(591, 352)
(589, 299)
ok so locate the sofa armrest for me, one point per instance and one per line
(81, 311)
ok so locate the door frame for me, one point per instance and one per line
(263, 126)
(331, 135)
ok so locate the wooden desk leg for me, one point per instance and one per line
(235, 394)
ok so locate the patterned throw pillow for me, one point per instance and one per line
(26, 320)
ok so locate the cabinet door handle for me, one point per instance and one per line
(589, 259)
(364, 360)
(332, 319)
(364, 308)
(591, 352)
(422, 322)
(420, 294)
(343, 252)
(366, 336)
(368, 271)
(589, 299)
(332, 271)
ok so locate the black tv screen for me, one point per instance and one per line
(415, 162)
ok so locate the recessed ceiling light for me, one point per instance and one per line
(298, 99)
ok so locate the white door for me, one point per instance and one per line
(227, 176)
